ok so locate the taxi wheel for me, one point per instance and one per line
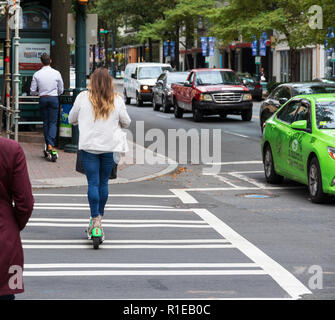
(315, 182)
(270, 174)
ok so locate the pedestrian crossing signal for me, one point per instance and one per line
(83, 2)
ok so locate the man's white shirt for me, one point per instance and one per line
(47, 82)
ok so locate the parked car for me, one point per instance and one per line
(299, 143)
(212, 91)
(252, 84)
(286, 91)
(139, 80)
(162, 92)
(325, 80)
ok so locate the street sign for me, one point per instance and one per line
(165, 48)
(254, 45)
(257, 60)
(204, 46)
(262, 44)
(91, 29)
(211, 45)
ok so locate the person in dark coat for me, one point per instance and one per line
(16, 206)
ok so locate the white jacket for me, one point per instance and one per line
(100, 135)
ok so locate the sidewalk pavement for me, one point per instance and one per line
(62, 173)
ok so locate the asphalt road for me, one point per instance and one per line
(192, 234)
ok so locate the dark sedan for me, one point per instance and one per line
(162, 92)
(286, 91)
(252, 84)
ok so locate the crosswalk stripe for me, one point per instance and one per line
(117, 220)
(202, 241)
(77, 273)
(137, 265)
(147, 246)
(114, 225)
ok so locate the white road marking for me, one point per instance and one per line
(142, 273)
(234, 162)
(107, 205)
(88, 245)
(111, 209)
(184, 196)
(109, 221)
(83, 225)
(236, 134)
(249, 180)
(129, 241)
(284, 278)
(110, 195)
(221, 178)
(137, 265)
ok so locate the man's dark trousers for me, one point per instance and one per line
(49, 108)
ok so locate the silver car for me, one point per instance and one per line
(162, 92)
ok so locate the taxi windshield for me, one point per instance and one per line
(325, 115)
(217, 77)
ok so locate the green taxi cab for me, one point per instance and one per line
(299, 144)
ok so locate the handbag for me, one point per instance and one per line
(80, 168)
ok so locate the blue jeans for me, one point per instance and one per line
(98, 168)
(49, 108)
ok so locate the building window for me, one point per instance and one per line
(306, 64)
(329, 64)
(284, 66)
(36, 18)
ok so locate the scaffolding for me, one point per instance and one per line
(10, 106)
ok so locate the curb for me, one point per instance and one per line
(81, 181)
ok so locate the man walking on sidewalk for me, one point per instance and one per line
(47, 83)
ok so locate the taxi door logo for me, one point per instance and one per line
(295, 145)
(295, 152)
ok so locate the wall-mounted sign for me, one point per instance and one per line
(30, 55)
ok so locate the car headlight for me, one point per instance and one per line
(145, 88)
(331, 152)
(247, 97)
(205, 97)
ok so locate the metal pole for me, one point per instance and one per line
(80, 68)
(81, 47)
(112, 72)
(16, 75)
(7, 73)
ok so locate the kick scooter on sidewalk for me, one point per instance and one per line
(50, 154)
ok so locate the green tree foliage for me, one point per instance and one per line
(292, 21)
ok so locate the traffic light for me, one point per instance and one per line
(83, 2)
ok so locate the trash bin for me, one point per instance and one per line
(73, 146)
(65, 128)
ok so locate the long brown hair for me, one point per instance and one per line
(101, 93)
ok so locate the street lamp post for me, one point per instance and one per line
(80, 57)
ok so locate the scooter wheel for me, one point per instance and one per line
(96, 242)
